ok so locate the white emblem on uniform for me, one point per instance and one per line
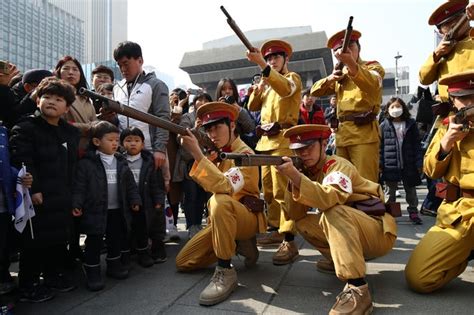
(236, 179)
(339, 179)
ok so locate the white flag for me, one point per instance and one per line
(24, 210)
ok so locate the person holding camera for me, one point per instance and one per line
(278, 96)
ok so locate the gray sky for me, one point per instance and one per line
(167, 29)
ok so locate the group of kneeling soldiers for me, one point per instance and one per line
(346, 227)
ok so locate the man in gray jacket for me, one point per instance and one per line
(144, 92)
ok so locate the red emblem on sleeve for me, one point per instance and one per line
(235, 178)
(343, 182)
(327, 165)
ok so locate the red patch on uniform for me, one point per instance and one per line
(370, 62)
(343, 182)
(327, 165)
(446, 121)
(235, 178)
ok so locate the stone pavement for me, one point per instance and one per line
(267, 289)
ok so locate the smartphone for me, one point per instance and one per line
(229, 99)
(194, 91)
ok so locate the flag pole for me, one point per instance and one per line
(28, 210)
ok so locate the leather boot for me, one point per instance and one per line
(325, 265)
(93, 277)
(353, 301)
(286, 253)
(223, 282)
(126, 260)
(115, 269)
(249, 250)
(270, 239)
(144, 259)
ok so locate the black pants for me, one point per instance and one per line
(5, 226)
(37, 258)
(156, 225)
(116, 239)
(194, 199)
(139, 235)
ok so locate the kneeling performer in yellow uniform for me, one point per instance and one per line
(344, 235)
(235, 216)
(443, 253)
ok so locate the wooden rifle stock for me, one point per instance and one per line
(453, 32)
(131, 112)
(346, 41)
(237, 30)
(259, 159)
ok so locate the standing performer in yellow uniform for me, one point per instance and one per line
(452, 56)
(235, 214)
(445, 250)
(278, 97)
(344, 235)
(358, 89)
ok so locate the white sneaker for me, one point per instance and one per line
(172, 234)
(397, 193)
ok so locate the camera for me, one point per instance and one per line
(194, 91)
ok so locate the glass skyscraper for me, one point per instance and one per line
(36, 34)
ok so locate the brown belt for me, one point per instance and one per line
(359, 118)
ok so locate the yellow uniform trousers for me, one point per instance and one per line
(365, 158)
(347, 237)
(229, 220)
(274, 186)
(440, 256)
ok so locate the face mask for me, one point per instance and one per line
(395, 112)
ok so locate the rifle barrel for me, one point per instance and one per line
(257, 159)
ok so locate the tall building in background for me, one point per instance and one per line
(36, 33)
(105, 25)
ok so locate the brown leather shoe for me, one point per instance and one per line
(353, 301)
(286, 253)
(249, 250)
(223, 282)
(270, 239)
(325, 265)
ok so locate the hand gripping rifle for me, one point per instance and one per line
(237, 30)
(464, 116)
(147, 118)
(259, 159)
(346, 41)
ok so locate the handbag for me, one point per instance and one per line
(372, 206)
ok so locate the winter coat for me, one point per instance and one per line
(184, 159)
(150, 185)
(90, 192)
(149, 95)
(8, 174)
(81, 114)
(50, 154)
(391, 158)
(316, 116)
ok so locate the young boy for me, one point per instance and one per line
(104, 193)
(151, 220)
(48, 147)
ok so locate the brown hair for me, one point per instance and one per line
(55, 86)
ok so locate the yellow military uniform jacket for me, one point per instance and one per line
(456, 168)
(211, 177)
(338, 183)
(361, 93)
(279, 102)
(459, 60)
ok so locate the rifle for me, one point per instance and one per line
(259, 159)
(237, 30)
(131, 112)
(441, 110)
(464, 116)
(453, 32)
(346, 41)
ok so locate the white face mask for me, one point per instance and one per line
(395, 112)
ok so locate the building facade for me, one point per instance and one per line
(225, 57)
(36, 34)
(105, 25)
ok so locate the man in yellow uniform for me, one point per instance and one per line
(358, 89)
(234, 212)
(452, 56)
(444, 251)
(278, 97)
(344, 235)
